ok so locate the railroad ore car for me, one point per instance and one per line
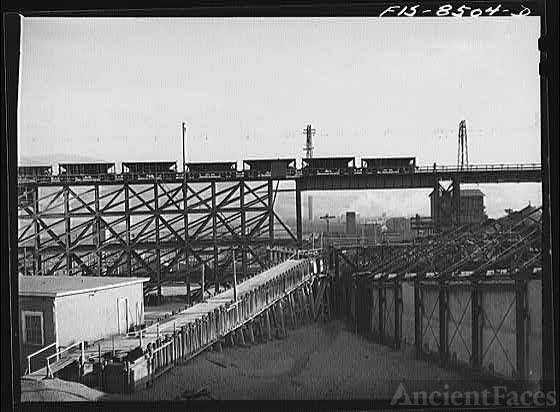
(389, 165)
(38, 174)
(72, 172)
(149, 170)
(196, 170)
(275, 168)
(328, 165)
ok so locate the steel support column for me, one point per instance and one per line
(270, 214)
(37, 264)
(215, 266)
(186, 237)
(299, 234)
(127, 229)
(157, 212)
(97, 229)
(243, 229)
(549, 127)
(456, 200)
(67, 229)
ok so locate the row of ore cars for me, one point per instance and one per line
(273, 168)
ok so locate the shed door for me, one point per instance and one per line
(122, 314)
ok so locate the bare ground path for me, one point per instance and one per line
(318, 361)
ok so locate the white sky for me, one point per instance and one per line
(118, 89)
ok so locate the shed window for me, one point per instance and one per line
(33, 328)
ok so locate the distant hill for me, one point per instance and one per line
(54, 159)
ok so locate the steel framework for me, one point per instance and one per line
(163, 230)
(470, 302)
(169, 228)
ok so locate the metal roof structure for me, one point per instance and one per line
(510, 245)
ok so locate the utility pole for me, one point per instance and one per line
(462, 149)
(184, 136)
(327, 218)
(309, 133)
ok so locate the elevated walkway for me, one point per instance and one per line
(264, 298)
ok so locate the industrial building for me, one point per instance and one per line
(69, 309)
(350, 223)
(471, 207)
(398, 229)
(372, 231)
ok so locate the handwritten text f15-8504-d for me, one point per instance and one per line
(448, 10)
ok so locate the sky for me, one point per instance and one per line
(119, 89)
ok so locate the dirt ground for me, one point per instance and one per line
(318, 361)
(57, 390)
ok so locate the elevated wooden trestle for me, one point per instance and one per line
(291, 293)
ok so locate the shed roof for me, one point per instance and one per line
(471, 192)
(57, 286)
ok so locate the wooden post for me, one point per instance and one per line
(311, 303)
(397, 296)
(291, 309)
(381, 309)
(183, 342)
(259, 326)
(443, 326)
(418, 317)
(240, 335)
(282, 326)
(327, 296)
(172, 349)
(251, 332)
(305, 305)
(476, 330)
(521, 328)
(267, 322)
